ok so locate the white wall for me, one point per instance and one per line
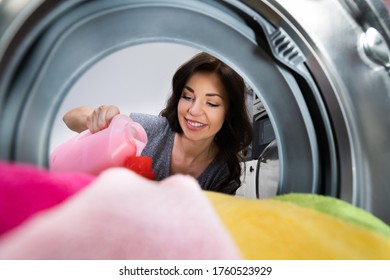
(136, 79)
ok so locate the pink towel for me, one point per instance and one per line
(122, 215)
(26, 189)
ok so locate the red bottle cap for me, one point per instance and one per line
(141, 165)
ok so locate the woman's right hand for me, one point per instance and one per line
(101, 117)
(82, 118)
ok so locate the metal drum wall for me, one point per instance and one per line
(321, 69)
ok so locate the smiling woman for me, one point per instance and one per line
(201, 115)
(196, 134)
(331, 136)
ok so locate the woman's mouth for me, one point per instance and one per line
(194, 123)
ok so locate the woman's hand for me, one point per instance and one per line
(82, 118)
(101, 117)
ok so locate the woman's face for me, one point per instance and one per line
(202, 107)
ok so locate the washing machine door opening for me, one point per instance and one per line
(262, 40)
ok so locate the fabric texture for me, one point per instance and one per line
(159, 148)
(119, 215)
(26, 189)
(337, 208)
(302, 227)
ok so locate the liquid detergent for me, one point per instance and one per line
(119, 145)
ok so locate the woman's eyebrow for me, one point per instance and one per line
(207, 94)
(214, 94)
(189, 88)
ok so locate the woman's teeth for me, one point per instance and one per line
(195, 123)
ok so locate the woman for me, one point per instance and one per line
(201, 132)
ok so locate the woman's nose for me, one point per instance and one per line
(196, 108)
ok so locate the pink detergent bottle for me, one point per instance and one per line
(93, 153)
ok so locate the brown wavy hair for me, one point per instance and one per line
(236, 132)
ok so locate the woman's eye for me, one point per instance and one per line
(186, 97)
(211, 104)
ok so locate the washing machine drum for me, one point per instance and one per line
(320, 68)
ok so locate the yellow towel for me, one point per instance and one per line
(298, 226)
